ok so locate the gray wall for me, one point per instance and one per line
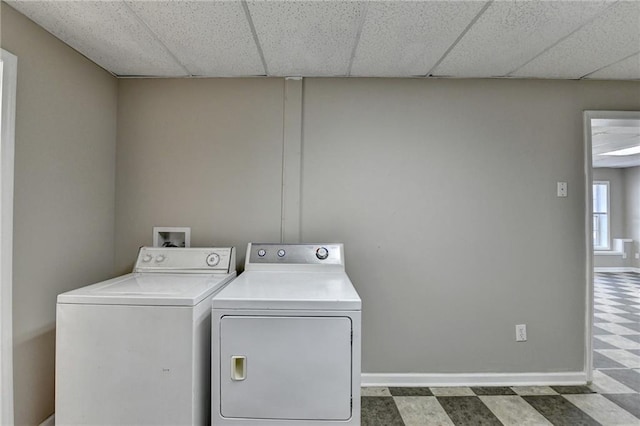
(203, 153)
(632, 179)
(64, 196)
(442, 190)
(444, 193)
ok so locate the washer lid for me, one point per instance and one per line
(289, 290)
(149, 289)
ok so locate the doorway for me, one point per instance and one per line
(612, 163)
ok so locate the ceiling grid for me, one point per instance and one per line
(634, 56)
(363, 18)
(626, 69)
(247, 14)
(613, 35)
(556, 43)
(511, 33)
(460, 37)
(155, 36)
(567, 39)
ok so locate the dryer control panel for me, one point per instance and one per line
(187, 260)
(294, 254)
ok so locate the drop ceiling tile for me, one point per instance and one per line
(106, 32)
(627, 69)
(408, 38)
(210, 38)
(510, 33)
(607, 39)
(308, 38)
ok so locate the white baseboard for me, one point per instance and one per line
(474, 379)
(50, 421)
(615, 269)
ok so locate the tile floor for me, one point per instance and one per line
(612, 399)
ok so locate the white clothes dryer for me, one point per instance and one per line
(286, 340)
(135, 350)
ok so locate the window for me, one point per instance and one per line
(601, 215)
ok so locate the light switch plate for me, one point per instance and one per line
(521, 332)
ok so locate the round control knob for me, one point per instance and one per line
(147, 258)
(213, 259)
(262, 252)
(322, 253)
(160, 258)
(281, 253)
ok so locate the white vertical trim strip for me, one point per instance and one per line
(588, 181)
(7, 152)
(291, 160)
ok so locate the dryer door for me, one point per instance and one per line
(296, 368)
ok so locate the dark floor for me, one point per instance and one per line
(612, 399)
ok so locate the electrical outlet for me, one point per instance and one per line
(521, 332)
(624, 255)
(637, 255)
(562, 189)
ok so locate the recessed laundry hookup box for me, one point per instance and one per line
(171, 236)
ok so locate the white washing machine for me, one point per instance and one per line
(136, 349)
(287, 339)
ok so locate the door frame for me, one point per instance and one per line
(588, 115)
(9, 63)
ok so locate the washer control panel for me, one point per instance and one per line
(179, 259)
(296, 254)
